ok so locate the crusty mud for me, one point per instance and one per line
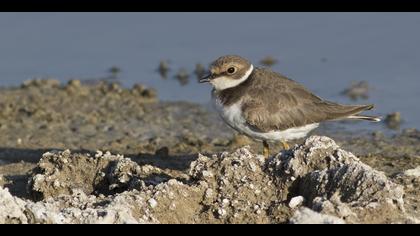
(237, 187)
(106, 154)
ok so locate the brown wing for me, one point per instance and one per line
(275, 102)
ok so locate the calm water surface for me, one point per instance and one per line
(324, 51)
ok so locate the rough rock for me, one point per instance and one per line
(238, 190)
(2, 181)
(59, 173)
(336, 182)
(329, 184)
(413, 172)
(11, 208)
(296, 201)
(308, 216)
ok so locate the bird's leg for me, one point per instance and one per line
(266, 150)
(285, 145)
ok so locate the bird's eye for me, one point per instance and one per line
(231, 70)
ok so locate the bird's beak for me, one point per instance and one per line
(206, 78)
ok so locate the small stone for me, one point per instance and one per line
(162, 152)
(2, 180)
(308, 216)
(268, 61)
(225, 202)
(182, 76)
(296, 201)
(152, 203)
(107, 154)
(413, 172)
(163, 68)
(222, 212)
(252, 166)
(173, 182)
(209, 193)
(98, 154)
(393, 120)
(56, 184)
(207, 174)
(357, 90)
(66, 152)
(199, 71)
(74, 83)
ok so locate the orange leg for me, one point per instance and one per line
(285, 145)
(266, 150)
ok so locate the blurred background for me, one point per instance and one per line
(344, 57)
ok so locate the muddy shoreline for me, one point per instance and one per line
(156, 148)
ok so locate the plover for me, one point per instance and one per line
(268, 106)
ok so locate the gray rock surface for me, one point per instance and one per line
(413, 172)
(11, 208)
(307, 216)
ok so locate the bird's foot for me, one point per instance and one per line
(266, 150)
(285, 145)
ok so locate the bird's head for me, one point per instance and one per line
(228, 72)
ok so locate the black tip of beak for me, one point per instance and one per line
(205, 79)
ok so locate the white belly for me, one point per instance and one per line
(232, 115)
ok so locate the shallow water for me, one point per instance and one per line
(324, 51)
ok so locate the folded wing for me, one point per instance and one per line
(282, 104)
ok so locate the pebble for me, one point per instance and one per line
(163, 68)
(357, 90)
(252, 166)
(222, 212)
(268, 61)
(199, 71)
(207, 174)
(152, 203)
(225, 202)
(56, 184)
(393, 120)
(182, 76)
(98, 154)
(413, 172)
(296, 201)
(209, 193)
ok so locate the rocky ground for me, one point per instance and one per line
(104, 154)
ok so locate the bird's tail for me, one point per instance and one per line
(364, 117)
(338, 112)
(368, 118)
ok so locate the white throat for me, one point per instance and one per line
(223, 82)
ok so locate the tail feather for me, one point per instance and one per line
(338, 112)
(368, 118)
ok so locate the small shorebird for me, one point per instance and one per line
(268, 106)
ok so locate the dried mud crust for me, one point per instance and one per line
(156, 174)
(316, 182)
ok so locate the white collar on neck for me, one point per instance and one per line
(222, 83)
